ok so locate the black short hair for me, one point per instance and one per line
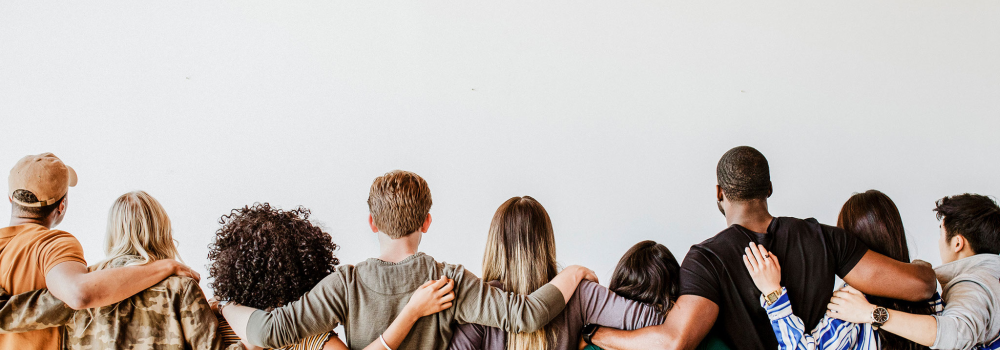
(743, 174)
(265, 257)
(33, 212)
(648, 273)
(975, 217)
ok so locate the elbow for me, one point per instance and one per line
(927, 285)
(78, 300)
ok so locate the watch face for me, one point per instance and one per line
(880, 315)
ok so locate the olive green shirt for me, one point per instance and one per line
(365, 298)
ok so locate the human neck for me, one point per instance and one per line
(16, 220)
(752, 215)
(396, 250)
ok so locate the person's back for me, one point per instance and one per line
(172, 314)
(520, 257)
(812, 254)
(37, 189)
(365, 298)
(717, 293)
(27, 253)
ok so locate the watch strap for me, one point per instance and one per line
(588, 333)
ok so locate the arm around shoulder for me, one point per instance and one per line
(688, 322)
(29, 311)
(879, 275)
(479, 303)
(319, 310)
(79, 288)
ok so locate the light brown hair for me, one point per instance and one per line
(399, 202)
(521, 254)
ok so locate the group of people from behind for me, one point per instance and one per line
(763, 282)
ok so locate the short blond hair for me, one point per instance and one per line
(399, 202)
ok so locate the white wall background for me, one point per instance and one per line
(612, 114)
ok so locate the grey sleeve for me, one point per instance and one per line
(598, 305)
(29, 311)
(319, 311)
(965, 320)
(479, 303)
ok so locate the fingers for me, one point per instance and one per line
(751, 259)
(446, 306)
(437, 284)
(746, 262)
(851, 290)
(446, 289)
(447, 298)
(757, 255)
(774, 259)
(590, 276)
(188, 272)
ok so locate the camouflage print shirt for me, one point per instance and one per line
(172, 314)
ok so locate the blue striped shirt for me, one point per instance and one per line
(830, 333)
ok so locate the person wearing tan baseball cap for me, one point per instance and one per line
(33, 255)
(37, 184)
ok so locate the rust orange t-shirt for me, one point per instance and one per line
(27, 253)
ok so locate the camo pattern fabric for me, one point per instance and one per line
(171, 315)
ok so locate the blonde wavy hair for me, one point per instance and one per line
(138, 232)
(521, 254)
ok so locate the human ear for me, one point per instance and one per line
(371, 223)
(718, 193)
(770, 189)
(957, 243)
(426, 225)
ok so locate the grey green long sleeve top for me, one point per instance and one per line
(366, 297)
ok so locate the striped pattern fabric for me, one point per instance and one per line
(830, 333)
(315, 342)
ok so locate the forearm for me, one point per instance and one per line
(105, 287)
(238, 317)
(482, 304)
(567, 281)
(920, 329)
(881, 276)
(396, 332)
(640, 339)
(32, 310)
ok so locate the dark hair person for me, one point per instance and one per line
(718, 296)
(521, 257)
(648, 273)
(874, 219)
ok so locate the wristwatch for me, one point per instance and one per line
(772, 297)
(588, 332)
(880, 316)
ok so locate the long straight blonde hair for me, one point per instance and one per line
(138, 226)
(521, 254)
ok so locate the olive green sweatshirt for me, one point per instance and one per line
(365, 299)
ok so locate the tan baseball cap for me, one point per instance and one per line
(44, 175)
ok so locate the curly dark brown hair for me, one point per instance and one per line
(265, 257)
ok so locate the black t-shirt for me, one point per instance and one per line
(810, 255)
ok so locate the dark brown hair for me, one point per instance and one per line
(648, 273)
(399, 202)
(743, 174)
(874, 219)
(975, 217)
(33, 212)
(265, 257)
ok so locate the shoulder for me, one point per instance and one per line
(41, 235)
